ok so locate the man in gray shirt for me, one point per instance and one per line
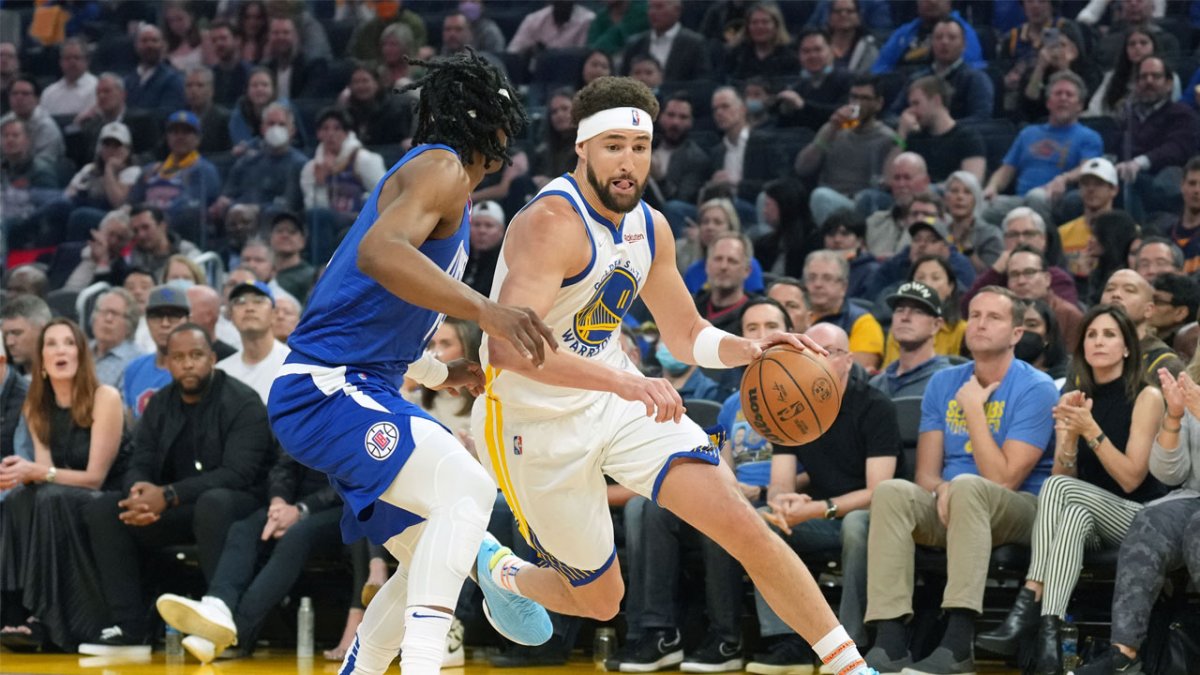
(861, 144)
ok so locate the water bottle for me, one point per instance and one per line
(174, 645)
(1069, 638)
(304, 629)
(604, 645)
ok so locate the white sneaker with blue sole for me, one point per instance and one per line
(519, 619)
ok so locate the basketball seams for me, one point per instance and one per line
(812, 411)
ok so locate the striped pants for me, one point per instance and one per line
(1072, 516)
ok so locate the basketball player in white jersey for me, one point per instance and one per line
(578, 255)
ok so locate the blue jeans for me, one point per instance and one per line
(847, 534)
(824, 202)
(664, 535)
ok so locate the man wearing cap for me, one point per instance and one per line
(156, 84)
(1161, 135)
(185, 182)
(289, 240)
(927, 236)
(253, 308)
(916, 320)
(167, 309)
(487, 233)
(1098, 187)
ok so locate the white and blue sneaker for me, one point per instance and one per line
(519, 619)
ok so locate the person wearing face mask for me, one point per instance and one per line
(1041, 345)
(687, 379)
(269, 175)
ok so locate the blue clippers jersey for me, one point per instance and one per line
(352, 320)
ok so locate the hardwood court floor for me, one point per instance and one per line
(264, 663)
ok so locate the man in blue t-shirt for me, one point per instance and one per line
(980, 462)
(167, 309)
(1045, 159)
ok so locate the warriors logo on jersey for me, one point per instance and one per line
(601, 317)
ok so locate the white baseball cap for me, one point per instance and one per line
(490, 210)
(1101, 168)
(116, 131)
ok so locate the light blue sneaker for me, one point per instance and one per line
(519, 619)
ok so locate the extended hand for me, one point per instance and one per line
(1191, 394)
(521, 327)
(1172, 392)
(798, 340)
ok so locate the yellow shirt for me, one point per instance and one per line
(1075, 235)
(866, 335)
(947, 342)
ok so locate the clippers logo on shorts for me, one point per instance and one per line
(602, 315)
(518, 445)
(382, 439)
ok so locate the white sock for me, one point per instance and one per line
(364, 659)
(504, 572)
(840, 653)
(424, 645)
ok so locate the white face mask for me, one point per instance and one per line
(276, 136)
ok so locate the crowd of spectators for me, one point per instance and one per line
(991, 208)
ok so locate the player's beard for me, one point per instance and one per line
(613, 202)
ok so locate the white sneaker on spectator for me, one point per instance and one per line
(209, 618)
(202, 648)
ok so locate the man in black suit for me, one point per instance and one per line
(110, 106)
(822, 87)
(679, 166)
(681, 51)
(156, 84)
(295, 75)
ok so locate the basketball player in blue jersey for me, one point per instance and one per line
(579, 254)
(336, 407)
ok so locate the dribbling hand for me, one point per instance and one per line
(797, 340)
(521, 327)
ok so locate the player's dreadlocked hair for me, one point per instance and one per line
(460, 106)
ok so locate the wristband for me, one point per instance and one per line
(707, 347)
(170, 496)
(303, 509)
(428, 371)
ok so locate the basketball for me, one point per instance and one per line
(789, 396)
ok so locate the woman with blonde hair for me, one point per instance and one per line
(77, 428)
(766, 47)
(981, 242)
(182, 268)
(716, 217)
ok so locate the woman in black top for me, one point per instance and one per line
(77, 428)
(1105, 425)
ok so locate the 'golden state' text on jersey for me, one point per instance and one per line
(589, 307)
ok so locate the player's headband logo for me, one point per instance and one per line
(614, 119)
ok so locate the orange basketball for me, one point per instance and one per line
(789, 396)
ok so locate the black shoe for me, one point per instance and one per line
(789, 655)
(113, 641)
(1022, 620)
(1111, 662)
(941, 662)
(552, 653)
(714, 656)
(1049, 650)
(659, 649)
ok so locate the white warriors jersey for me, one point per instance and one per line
(589, 307)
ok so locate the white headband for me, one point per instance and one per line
(627, 119)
